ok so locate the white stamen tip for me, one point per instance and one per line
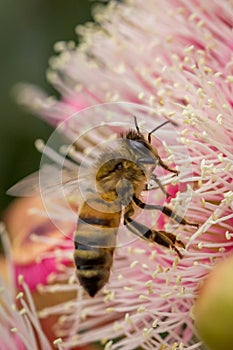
(20, 279)
(19, 295)
(108, 346)
(40, 145)
(14, 330)
(57, 341)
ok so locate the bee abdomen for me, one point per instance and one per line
(93, 267)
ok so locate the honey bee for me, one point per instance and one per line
(121, 176)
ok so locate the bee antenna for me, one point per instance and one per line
(158, 127)
(136, 124)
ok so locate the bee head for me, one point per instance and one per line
(143, 151)
(113, 171)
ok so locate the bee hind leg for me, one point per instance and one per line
(166, 239)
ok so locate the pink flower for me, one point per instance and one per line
(29, 265)
(20, 327)
(27, 230)
(171, 59)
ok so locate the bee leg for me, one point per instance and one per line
(166, 167)
(166, 239)
(165, 210)
(160, 185)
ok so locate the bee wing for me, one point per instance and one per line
(27, 187)
(49, 180)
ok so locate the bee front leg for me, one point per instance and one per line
(153, 177)
(166, 167)
(166, 239)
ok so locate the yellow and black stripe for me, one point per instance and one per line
(95, 240)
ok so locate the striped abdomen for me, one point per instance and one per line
(95, 239)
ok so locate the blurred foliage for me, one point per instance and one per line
(28, 30)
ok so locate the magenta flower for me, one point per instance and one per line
(165, 59)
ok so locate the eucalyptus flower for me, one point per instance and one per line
(158, 59)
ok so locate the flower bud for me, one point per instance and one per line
(214, 307)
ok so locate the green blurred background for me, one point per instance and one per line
(28, 30)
